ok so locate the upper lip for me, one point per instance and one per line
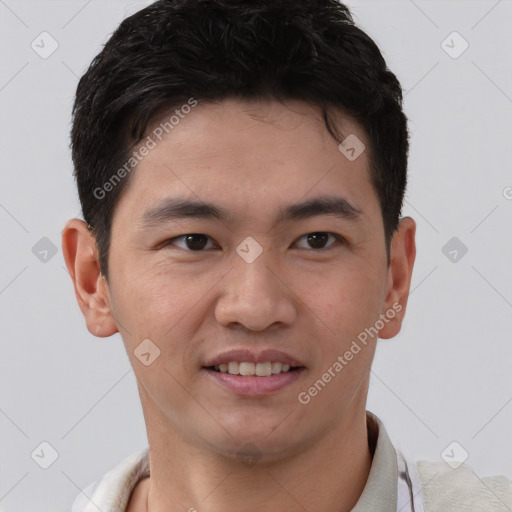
(250, 356)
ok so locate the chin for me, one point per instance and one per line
(265, 441)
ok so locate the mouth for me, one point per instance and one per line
(248, 369)
(249, 373)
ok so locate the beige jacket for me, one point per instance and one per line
(451, 490)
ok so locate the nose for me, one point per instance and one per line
(256, 296)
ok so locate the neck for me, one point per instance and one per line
(328, 476)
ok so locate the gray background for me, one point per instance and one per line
(446, 377)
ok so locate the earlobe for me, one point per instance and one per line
(403, 254)
(81, 257)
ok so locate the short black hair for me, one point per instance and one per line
(209, 50)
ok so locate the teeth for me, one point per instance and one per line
(247, 369)
(263, 369)
(233, 368)
(251, 369)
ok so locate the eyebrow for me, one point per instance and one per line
(180, 208)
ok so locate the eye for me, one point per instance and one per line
(196, 242)
(318, 239)
(193, 241)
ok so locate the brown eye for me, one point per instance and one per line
(192, 241)
(319, 239)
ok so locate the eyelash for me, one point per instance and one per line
(338, 240)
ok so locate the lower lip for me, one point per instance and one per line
(255, 386)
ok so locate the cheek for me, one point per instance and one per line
(155, 306)
(344, 301)
(154, 293)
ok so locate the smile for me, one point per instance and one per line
(250, 369)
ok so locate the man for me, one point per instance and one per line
(241, 167)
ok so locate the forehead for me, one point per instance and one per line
(249, 156)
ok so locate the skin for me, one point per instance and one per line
(251, 158)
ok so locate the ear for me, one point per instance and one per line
(91, 290)
(402, 256)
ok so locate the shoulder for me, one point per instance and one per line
(450, 490)
(112, 491)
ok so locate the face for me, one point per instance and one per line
(255, 272)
